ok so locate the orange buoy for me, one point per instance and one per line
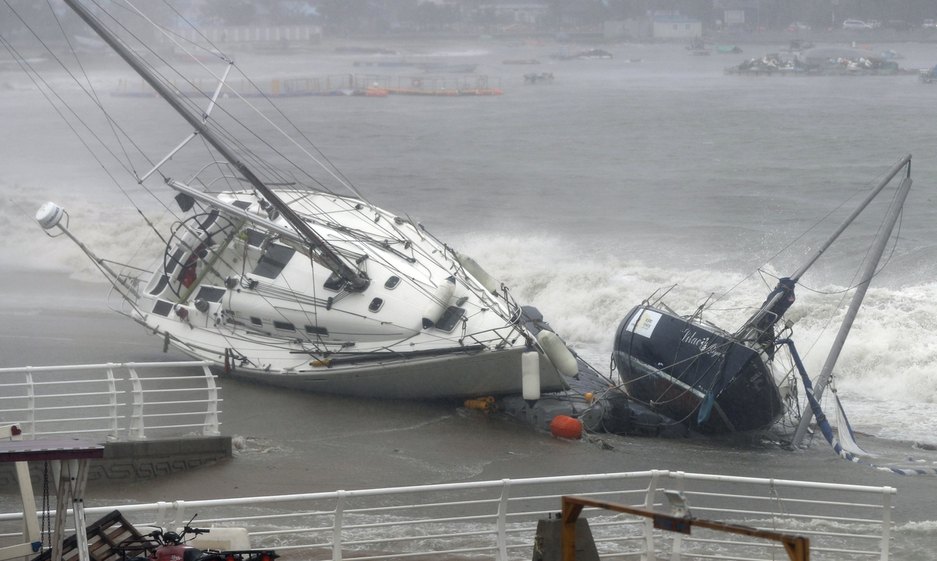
(564, 426)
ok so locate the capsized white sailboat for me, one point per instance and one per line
(278, 279)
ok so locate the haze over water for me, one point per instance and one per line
(585, 195)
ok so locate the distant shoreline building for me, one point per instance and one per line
(256, 37)
(675, 26)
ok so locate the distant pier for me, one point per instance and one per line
(367, 85)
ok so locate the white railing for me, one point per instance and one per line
(498, 519)
(121, 401)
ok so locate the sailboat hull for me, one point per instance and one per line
(455, 375)
(694, 373)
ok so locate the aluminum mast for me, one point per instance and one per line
(751, 326)
(878, 248)
(318, 247)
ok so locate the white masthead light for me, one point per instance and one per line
(49, 215)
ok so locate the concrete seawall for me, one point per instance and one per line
(138, 460)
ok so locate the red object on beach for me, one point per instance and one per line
(564, 426)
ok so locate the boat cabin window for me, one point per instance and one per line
(176, 258)
(243, 205)
(316, 330)
(392, 282)
(210, 294)
(376, 304)
(209, 220)
(284, 325)
(255, 238)
(273, 261)
(162, 308)
(450, 318)
(161, 285)
(256, 321)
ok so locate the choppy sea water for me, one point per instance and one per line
(585, 195)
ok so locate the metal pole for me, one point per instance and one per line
(878, 248)
(891, 174)
(826, 245)
(319, 248)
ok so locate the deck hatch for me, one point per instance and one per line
(161, 285)
(210, 293)
(162, 307)
(273, 261)
(450, 318)
(254, 237)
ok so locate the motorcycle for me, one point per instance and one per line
(171, 546)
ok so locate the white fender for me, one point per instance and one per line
(558, 353)
(438, 303)
(530, 375)
(474, 269)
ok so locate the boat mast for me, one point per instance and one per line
(878, 248)
(751, 327)
(318, 248)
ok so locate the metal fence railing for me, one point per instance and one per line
(498, 519)
(119, 401)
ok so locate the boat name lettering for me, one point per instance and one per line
(704, 344)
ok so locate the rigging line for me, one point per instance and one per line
(219, 164)
(99, 140)
(39, 85)
(183, 99)
(247, 156)
(360, 234)
(853, 285)
(247, 102)
(74, 79)
(216, 52)
(94, 93)
(144, 46)
(34, 76)
(338, 174)
(276, 151)
(796, 239)
(259, 164)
